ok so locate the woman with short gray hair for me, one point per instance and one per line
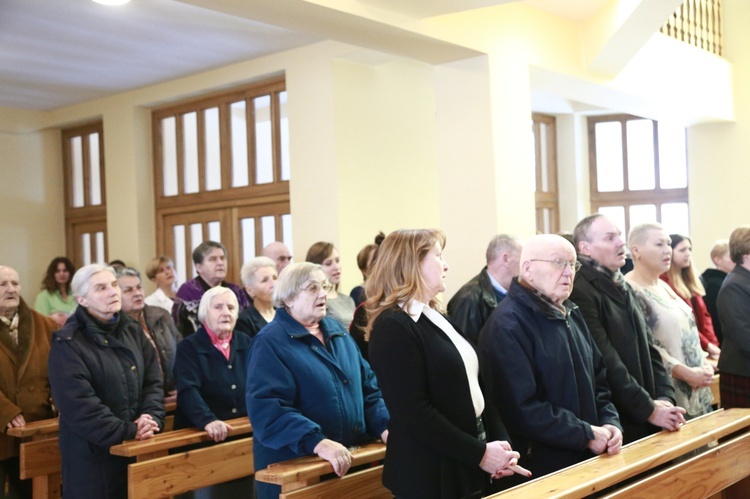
(308, 390)
(210, 372)
(259, 278)
(106, 384)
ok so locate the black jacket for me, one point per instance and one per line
(210, 387)
(103, 377)
(733, 301)
(433, 449)
(472, 305)
(712, 280)
(635, 372)
(547, 378)
(250, 321)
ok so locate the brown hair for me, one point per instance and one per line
(363, 256)
(394, 277)
(153, 265)
(739, 244)
(685, 282)
(318, 252)
(49, 283)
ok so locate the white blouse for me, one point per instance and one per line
(467, 352)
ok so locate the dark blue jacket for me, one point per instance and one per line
(300, 392)
(547, 379)
(103, 377)
(209, 387)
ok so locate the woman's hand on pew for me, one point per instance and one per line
(19, 421)
(667, 416)
(217, 430)
(384, 436)
(336, 454)
(146, 427)
(498, 459)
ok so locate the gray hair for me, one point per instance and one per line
(291, 280)
(637, 235)
(500, 244)
(210, 295)
(80, 283)
(247, 274)
(128, 271)
(203, 249)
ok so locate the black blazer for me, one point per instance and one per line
(733, 301)
(433, 450)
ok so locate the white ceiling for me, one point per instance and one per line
(55, 53)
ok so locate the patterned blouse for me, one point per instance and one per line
(676, 337)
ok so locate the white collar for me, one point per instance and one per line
(415, 309)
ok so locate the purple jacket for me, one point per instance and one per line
(187, 299)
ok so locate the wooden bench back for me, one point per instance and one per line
(639, 459)
(186, 471)
(300, 478)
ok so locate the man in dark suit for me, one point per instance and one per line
(472, 305)
(641, 387)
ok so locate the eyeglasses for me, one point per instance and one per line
(560, 264)
(315, 287)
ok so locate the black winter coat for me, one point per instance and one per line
(635, 372)
(547, 378)
(103, 377)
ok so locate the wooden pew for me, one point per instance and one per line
(716, 392)
(650, 468)
(300, 478)
(40, 457)
(158, 474)
(40, 453)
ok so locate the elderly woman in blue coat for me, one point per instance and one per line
(107, 386)
(210, 372)
(308, 389)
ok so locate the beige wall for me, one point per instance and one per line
(717, 153)
(380, 142)
(31, 203)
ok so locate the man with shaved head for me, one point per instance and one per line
(279, 253)
(542, 369)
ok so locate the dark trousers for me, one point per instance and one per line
(11, 485)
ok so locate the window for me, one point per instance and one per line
(221, 172)
(85, 200)
(638, 172)
(545, 164)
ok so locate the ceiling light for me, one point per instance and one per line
(112, 2)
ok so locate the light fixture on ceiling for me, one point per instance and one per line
(112, 2)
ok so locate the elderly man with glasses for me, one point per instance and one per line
(543, 370)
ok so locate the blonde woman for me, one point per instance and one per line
(670, 318)
(429, 374)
